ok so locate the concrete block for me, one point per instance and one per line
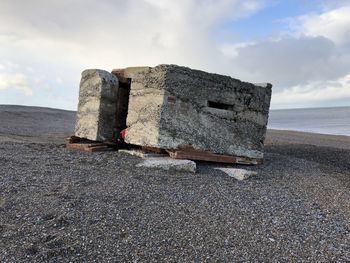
(97, 105)
(239, 174)
(169, 164)
(172, 107)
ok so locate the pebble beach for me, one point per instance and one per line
(63, 205)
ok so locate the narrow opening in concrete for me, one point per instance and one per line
(219, 105)
(122, 103)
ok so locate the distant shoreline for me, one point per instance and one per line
(274, 136)
(332, 121)
(286, 134)
(18, 107)
(310, 108)
(308, 132)
(286, 109)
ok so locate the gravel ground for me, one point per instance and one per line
(61, 205)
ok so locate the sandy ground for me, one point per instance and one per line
(60, 205)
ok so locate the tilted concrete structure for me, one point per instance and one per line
(172, 107)
(175, 108)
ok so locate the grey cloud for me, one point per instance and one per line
(68, 36)
(292, 61)
(61, 38)
(120, 33)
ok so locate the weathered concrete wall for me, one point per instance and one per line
(145, 104)
(97, 105)
(171, 107)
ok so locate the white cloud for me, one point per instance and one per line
(15, 81)
(308, 66)
(321, 93)
(61, 38)
(59, 80)
(289, 61)
(120, 33)
(58, 39)
(334, 24)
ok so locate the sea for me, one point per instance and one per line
(334, 121)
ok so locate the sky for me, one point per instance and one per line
(302, 47)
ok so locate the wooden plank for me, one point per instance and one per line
(246, 160)
(74, 142)
(152, 149)
(100, 149)
(74, 139)
(78, 146)
(202, 156)
(89, 147)
(96, 144)
(198, 155)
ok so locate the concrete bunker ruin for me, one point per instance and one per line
(175, 108)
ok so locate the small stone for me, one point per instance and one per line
(169, 164)
(239, 174)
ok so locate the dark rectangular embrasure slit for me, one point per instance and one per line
(219, 105)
